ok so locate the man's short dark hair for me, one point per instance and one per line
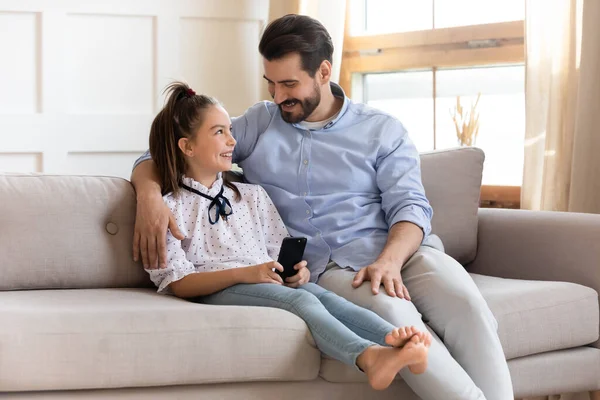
(300, 34)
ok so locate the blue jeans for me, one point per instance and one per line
(341, 329)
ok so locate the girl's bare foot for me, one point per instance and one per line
(400, 336)
(419, 344)
(382, 364)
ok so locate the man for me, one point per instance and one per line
(347, 177)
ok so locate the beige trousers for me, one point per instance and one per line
(468, 361)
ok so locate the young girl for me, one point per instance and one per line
(233, 235)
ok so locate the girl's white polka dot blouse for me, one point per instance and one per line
(251, 235)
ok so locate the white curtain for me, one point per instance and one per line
(562, 95)
(563, 122)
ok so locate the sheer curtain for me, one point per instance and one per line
(562, 164)
(563, 92)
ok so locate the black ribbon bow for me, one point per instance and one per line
(222, 204)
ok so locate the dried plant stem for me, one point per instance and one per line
(466, 123)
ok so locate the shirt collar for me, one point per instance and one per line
(212, 191)
(337, 91)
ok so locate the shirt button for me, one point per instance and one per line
(307, 212)
(305, 162)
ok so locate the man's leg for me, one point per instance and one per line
(439, 286)
(444, 377)
(452, 305)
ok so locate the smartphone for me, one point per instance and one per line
(291, 253)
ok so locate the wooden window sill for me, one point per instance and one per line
(500, 197)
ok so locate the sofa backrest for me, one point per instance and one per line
(67, 232)
(77, 232)
(452, 181)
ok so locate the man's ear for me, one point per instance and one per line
(324, 72)
(185, 146)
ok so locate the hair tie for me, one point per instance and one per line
(191, 92)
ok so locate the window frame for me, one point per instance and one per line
(454, 47)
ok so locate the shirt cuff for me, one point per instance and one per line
(162, 278)
(415, 215)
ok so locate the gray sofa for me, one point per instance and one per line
(78, 318)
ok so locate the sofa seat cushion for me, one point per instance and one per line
(539, 316)
(109, 338)
(533, 317)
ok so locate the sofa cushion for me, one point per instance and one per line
(561, 371)
(67, 232)
(536, 316)
(109, 338)
(533, 317)
(452, 181)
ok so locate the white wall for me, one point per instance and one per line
(81, 81)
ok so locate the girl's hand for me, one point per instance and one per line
(302, 277)
(263, 273)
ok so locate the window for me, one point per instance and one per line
(415, 60)
(394, 16)
(427, 112)
(409, 97)
(501, 109)
(450, 13)
(384, 16)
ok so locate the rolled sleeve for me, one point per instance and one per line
(414, 214)
(399, 179)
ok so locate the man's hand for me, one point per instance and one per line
(383, 272)
(262, 273)
(302, 277)
(152, 219)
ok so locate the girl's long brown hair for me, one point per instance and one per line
(181, 117)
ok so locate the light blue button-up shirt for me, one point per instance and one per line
(342, 187)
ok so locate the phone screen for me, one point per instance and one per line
(291, 253)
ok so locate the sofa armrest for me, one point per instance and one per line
(539, 245)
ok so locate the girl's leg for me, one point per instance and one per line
(331, 336)
(359, 320)
(381, 364)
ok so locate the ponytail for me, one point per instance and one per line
(180, 118)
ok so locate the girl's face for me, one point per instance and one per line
(211, 148)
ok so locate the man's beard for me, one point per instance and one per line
(308, 105)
